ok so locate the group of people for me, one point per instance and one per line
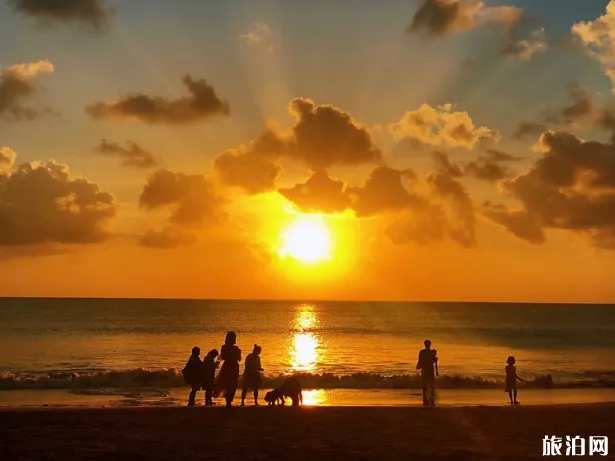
(428, 365)
(201, 373)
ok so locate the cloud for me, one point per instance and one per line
(191, 197)
(446, 17)
(383, 191)
(583, 112)
(324, 135)
(17, 83)
(258, 35)
(489, 167)
(132, 155)
(518, 222)
(203, 103)
(166, 238)
(598, 36)
(320, 193)
(93, 13)
(254, 167)
(525, 49)
(442, 127)
(43, 203)
(423, 227)
(529, 129)
(571, 187)
(445, 185)
(7, 158)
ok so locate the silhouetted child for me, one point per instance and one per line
(252, 375)
(209, 374)
(511, 380)
(192, 374)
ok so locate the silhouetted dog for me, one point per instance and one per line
(272, 397)
(292, 388)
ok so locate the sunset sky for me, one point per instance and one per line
(393, 150)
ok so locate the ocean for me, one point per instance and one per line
(126, 343)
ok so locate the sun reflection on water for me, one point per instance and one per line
(304, 351)
(314, 397)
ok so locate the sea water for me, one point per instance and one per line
(91, 346)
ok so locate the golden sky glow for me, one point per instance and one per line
(282, 151)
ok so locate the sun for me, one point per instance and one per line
(307, 240)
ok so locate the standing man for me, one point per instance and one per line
(426, 362)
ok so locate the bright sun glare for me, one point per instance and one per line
(307, 240)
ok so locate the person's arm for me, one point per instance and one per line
(520, 379)
(260, 368)
(418, 362)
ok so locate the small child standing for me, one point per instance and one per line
(435, 361)
(209, 374)
(511, 380)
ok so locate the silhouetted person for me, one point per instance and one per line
(209, 373)
(192, 374)
(252, 375)
(228, 377)
(425, 363)
(511, 380)
(435, 356)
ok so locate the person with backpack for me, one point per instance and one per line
(193, 372)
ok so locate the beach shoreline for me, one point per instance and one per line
(461, 433)
(158, 397)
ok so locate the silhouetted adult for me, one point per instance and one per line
(252, 375)
(228, 377)
(425, 363)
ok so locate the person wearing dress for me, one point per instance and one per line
(209, 372)
(511, 380)
(252, 375)
(228, 377)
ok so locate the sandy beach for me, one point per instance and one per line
(308, 433)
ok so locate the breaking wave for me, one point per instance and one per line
(139, 378)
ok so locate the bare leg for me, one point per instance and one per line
(432, 392)
(516, 402)
(256, 397)
(510, 394)
(208, 400)
(244, 392)
(192, 396)
(230, 395)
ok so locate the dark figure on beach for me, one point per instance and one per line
(192, 374)
(275, 396)
(426, 362)
(209, 373)
(292, 388)
(252, 375)
(228, 377)
(511, 380)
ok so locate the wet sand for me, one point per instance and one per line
(308, 433)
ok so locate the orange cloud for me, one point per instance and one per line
(442, 127)
(17, 83)
(132, 155)
(43, 203)
(192, 198)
